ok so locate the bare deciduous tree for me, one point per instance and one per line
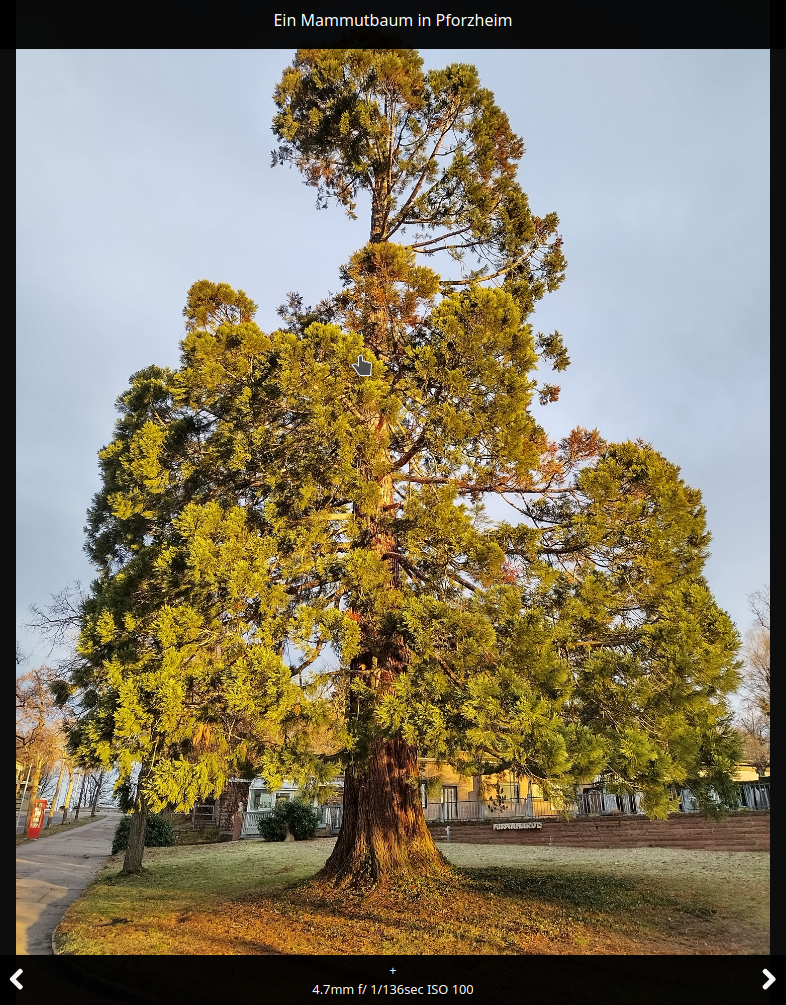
(40, 739)
(756, 651)
(754, 721)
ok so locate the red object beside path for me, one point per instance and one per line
(37, 819)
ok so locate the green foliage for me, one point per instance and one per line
(433, 151)
(273, 826)
(301, 819)
(293, 562)
(159, 833)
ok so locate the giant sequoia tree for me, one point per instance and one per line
(297, 573)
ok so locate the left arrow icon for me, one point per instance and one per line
(15, 982)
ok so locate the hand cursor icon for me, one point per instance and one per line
(362, 368)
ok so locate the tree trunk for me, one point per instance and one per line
(67, 800)
(81, 793)
(94, 804)
(383, 837)
(383, 834)
(53, 804)
(26, 786)
(135, 849)
(33, 792)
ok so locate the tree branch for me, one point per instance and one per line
(400, 217)
(405, 458)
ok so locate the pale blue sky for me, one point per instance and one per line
(141, 171)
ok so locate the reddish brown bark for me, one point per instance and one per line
(384, 834)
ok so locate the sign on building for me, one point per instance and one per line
(534, 826)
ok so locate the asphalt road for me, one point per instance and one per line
(50, 875)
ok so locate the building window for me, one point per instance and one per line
(260, 799)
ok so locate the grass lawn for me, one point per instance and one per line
(249, 898)
(61, 828)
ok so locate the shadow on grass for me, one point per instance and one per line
(492, 909)
(285, 910)
(596, 892)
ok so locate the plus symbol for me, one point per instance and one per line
(392, 970)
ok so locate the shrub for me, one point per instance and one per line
(159, 833)
(301, 818)
(273, 827)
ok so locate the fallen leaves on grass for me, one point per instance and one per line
(481, 912)
(262, 900)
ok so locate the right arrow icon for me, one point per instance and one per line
(769, 977)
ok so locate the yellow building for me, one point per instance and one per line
(447, 795)
(748, 773)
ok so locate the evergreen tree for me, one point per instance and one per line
(264, 506)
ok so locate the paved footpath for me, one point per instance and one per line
(50, 875)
